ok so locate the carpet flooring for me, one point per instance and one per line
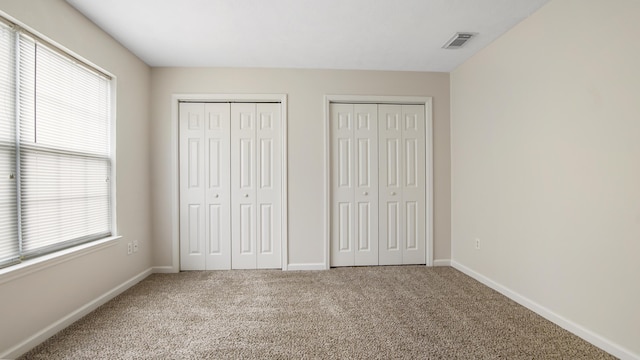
(386, 312)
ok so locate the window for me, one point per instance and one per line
(55, 149)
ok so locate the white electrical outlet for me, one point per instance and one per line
(129, 248)
(135, 245)
(477, 244)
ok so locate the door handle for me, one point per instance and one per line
(246, 195)
(216, 195)
(365, 193)
(393, 193)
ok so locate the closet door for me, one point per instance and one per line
(402, 184)
(204, 186)
(414, 185)
(217, 186)
(255, 186)
(192, 207)
(269, 185)
(354, 184)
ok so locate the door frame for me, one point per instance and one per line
(427, 101)
(176, 99)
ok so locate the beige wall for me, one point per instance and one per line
(545, 129)
(31, 303)
(305, 90)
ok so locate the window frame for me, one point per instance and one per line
(37, 261)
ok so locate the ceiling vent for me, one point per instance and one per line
(458, 40)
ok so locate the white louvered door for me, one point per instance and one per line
(230, 186)
(354, 203)
(378, 184)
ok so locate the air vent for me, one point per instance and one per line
(458, 40)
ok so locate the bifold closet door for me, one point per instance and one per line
(402, 184)
(205, 224)
(354, 184)
(255, 185)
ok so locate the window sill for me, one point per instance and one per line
(42, 262)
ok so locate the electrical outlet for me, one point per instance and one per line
(129, 248)
(477, 244)
(135, 245)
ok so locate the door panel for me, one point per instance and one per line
(194, 231)
(243, 186)
(268, 192)
(365, 135)
(411, 163)
(342, 189)
(392, 220)
(195, 165)
(246, 159)
(354, 184)
(245, 230)
(364, 227)
(411, 221)
(413, 192)
(392, 161)
(218, 182)
(344, 163)
(402, 197)
(256, 186)
(215, 148)
(215, 233)
(390, 191)
(265, 226)
(192, 191)
(344, 227)
(266, 164)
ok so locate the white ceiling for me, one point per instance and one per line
(319, 34)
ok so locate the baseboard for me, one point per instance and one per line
(298, 267)
(164, 270)
(76, 315)
(442, 262)
(595, 339)
(322, 266)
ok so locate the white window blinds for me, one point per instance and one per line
(61, 193)
(9, 246)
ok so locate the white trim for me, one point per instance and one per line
(588, 335)
(300, 267)
(284, 201)
(366, 99)
(442, 262)
(175, 184)
(69, 319)
(428, 108)
(175, 179)
(114, 156)
(40, 263)
(327, 182)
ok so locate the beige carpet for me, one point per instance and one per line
(404, 312)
